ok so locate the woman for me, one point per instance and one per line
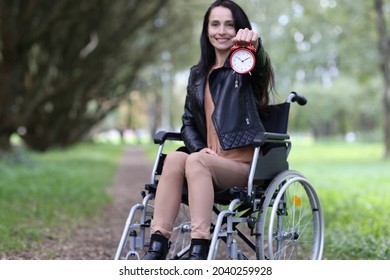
(221, 117)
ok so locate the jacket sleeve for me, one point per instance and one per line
(262, 60)
(189, 130)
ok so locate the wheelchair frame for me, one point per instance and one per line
(279, 208)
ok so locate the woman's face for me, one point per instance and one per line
(221, 28)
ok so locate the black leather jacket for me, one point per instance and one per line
(236, 117)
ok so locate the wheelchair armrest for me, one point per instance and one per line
(161, 136)
(268, 137)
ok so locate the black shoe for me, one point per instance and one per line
(158, 249)
(199, 249)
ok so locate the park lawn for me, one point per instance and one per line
(353, 182)
(56, 189)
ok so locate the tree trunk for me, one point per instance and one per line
(5, 143)
(384, 50)
(387, 120)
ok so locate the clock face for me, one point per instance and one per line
(242, 61)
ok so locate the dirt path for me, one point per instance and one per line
(98, 239)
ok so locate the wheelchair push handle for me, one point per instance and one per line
(300, 99)
(162, 136)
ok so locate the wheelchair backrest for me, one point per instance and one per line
(275, 118)
(273, 159)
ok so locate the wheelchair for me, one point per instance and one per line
(277, 217)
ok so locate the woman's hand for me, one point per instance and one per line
(208, 151)
(246, 37)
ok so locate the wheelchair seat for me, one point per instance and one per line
(277, 216)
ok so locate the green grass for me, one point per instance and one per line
(353, 183)
(56, 189)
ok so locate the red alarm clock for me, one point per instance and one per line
(242, 59)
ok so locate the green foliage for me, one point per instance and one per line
(338, 108)
(327, 50)
(74, 63)
(57, 189)
(318, 38)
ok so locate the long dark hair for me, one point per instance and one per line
(265, 84)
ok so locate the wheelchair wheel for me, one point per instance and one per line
(290, 224)
(181, 235)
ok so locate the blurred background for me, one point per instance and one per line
(71, 71)
(116, 71)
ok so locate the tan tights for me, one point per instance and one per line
(203, 172)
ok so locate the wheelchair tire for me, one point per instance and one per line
(290, 223)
